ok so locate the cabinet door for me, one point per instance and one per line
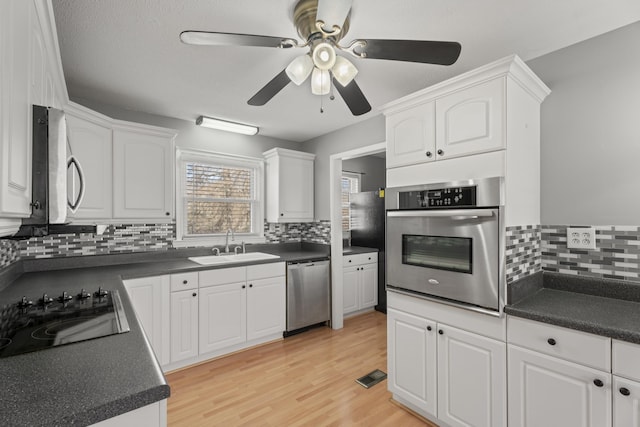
(472, 389)
(184, 325)
(295, 189)
(411, 136)
(626, 402)
(350, 276)
(411, 359)
(266, 307)
(142, 175)
(150, 297)
(17, 39)
(91, 144)
(547, 391)
(471, 120)
(368, 285)
(223, 316)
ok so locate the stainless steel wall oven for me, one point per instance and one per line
(445, 241)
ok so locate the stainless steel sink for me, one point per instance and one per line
(230, 259)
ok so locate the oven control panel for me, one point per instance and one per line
(438, 198)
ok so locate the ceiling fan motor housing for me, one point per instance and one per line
(304, 18)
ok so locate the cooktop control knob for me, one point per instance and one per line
(101, 292)
(46, 300)
(84, 294)
(65, 297)
(24, 303)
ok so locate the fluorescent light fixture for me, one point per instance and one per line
(226, 126)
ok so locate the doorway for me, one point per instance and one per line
(336, 207)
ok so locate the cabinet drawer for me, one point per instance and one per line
(263, 271)
(184, 281)
(222, 276)
(359, 259)
(626, 356)
(576, 346)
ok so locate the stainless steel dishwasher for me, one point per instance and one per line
(308, 294)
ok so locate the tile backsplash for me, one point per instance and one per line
(128, 238)
(617, 253)
(522, 251)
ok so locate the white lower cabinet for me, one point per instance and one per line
(184, 325)
(448, 374)
(626, 402)
(360, 282)
(546, 391)
(471, 378)
(266, 307)
(223, 316)
(151, 301)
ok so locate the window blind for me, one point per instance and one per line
(218, 197)
(349, 184)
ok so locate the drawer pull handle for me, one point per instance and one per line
(598, 383)
(428, 328)
(624, 391)
(551, 341)
(184, 282)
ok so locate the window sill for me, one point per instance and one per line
(216, 241)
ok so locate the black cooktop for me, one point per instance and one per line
(28, 325)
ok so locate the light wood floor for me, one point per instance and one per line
(306, 379)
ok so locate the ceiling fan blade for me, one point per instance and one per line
(353, 97)
(270, 90)
(428, 52)
(212, 38)
(333, 13)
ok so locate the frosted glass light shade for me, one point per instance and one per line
(344, 71)
(324, 56)
(299, 69)
(320, 82)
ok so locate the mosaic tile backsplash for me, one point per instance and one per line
(522, 251)
(617, 253)
(127, 238)
(314, 232)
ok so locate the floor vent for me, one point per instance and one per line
(371, 378)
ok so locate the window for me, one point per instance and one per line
(216, 193)
(350, 183)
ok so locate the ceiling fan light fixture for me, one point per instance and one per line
(226, 125)
(324, 56)
(344, 71)
(320, 82)
(299, 69)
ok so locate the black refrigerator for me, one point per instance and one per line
(367, 230)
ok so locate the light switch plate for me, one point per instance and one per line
(581, 237)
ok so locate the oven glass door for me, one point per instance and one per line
(452, 254)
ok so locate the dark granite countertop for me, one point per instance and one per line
(604, 307)
(352, 250)
(89, 381)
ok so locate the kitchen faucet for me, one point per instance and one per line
(226, 240)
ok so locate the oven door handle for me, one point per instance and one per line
(455, 214)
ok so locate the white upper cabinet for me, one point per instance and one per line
(411, 136)
(463, 116)
(471, 121)
(142, 172)
(90, 142)
(289, 176)
(17, 41)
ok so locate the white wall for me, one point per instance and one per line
(197, 137)
(590, 135)
(365, 133)
(373, 170)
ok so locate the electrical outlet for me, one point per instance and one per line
(581, 238)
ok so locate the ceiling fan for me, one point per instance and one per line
(322, 24)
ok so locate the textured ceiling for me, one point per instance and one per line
(127, 53)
